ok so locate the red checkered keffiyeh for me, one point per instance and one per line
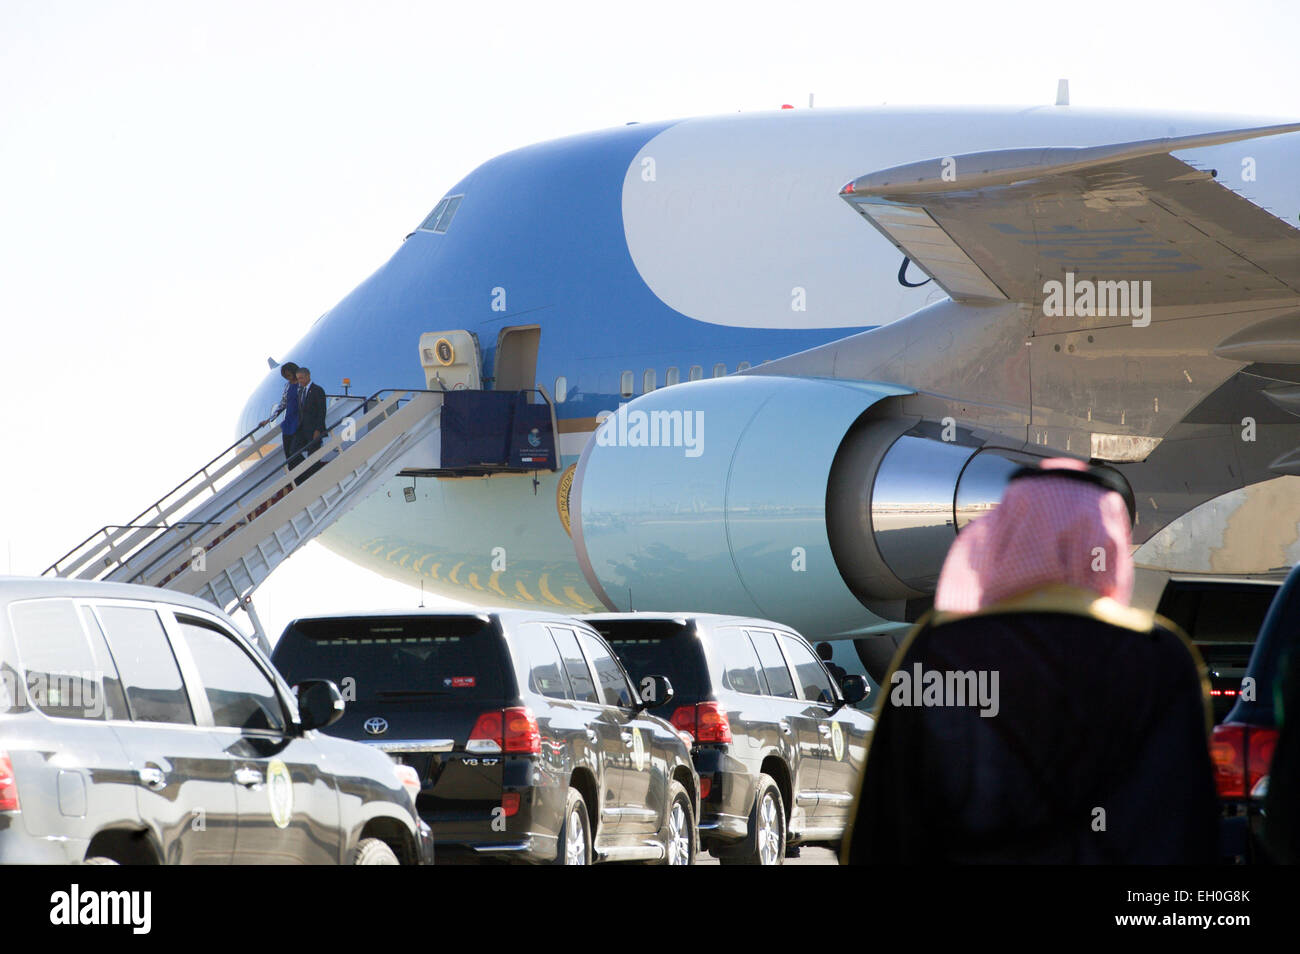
(1044, 531)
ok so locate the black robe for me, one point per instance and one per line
(1098, 751)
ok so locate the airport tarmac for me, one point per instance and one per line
(807, 856)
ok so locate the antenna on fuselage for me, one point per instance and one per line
(1063, 92)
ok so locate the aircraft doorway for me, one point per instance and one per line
(516, 360)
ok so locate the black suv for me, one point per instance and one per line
(1242, 745)
(140, 726)
(778, 745)
(1222, 616)
(528, 738)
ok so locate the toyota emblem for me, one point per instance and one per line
(376, 726)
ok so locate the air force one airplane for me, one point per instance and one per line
(790, 354)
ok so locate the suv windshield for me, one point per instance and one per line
(658, 648)
(392, 658)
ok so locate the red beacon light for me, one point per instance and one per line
(847, 190)
(786, 106)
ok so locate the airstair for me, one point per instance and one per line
(222, 531)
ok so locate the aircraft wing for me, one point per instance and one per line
(997, 225)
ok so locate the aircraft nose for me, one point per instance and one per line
(260, 402)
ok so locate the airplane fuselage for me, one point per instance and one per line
(647, 255)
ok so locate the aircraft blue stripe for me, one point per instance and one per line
(544, 223)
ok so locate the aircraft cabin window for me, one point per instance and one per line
(648, 381)
(672, 376)
(440, 218)
(625, 384)
(561, 389)
(696, 373)
(743, 366)
(719, 370)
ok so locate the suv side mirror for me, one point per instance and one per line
(854, 688)
(319, 703)
(654, 691)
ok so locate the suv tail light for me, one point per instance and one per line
(705, 721)
(512, 730)
(8, 784)
(522, 734)
(486, 735)
(1241, 755)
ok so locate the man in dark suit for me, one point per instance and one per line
(311, 420)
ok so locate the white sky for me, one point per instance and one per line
(185, 187)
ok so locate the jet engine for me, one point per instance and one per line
(810, 501)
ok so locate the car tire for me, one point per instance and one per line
(372, 851)
(573, 847)
(683, 840)
(765, 844)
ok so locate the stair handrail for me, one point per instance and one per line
(234, 513)
(252, 447)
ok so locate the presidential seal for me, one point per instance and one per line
(562, 491)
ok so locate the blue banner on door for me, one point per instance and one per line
(496, 430)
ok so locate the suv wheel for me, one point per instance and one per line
(574, 843)
(372, 851)
(766, 842)
(683, 837)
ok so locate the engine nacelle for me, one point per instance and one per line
(778, 497)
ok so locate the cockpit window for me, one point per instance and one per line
(440, 218)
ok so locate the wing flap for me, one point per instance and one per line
(999, 225)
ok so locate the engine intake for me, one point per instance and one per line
(895, 502)
(797, 499)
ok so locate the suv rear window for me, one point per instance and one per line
(392, 658)
(734, 654)
(63, 677)
(775, 671)
(546, 676)
(155, 691)
(1223, 620)
(659, 648)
